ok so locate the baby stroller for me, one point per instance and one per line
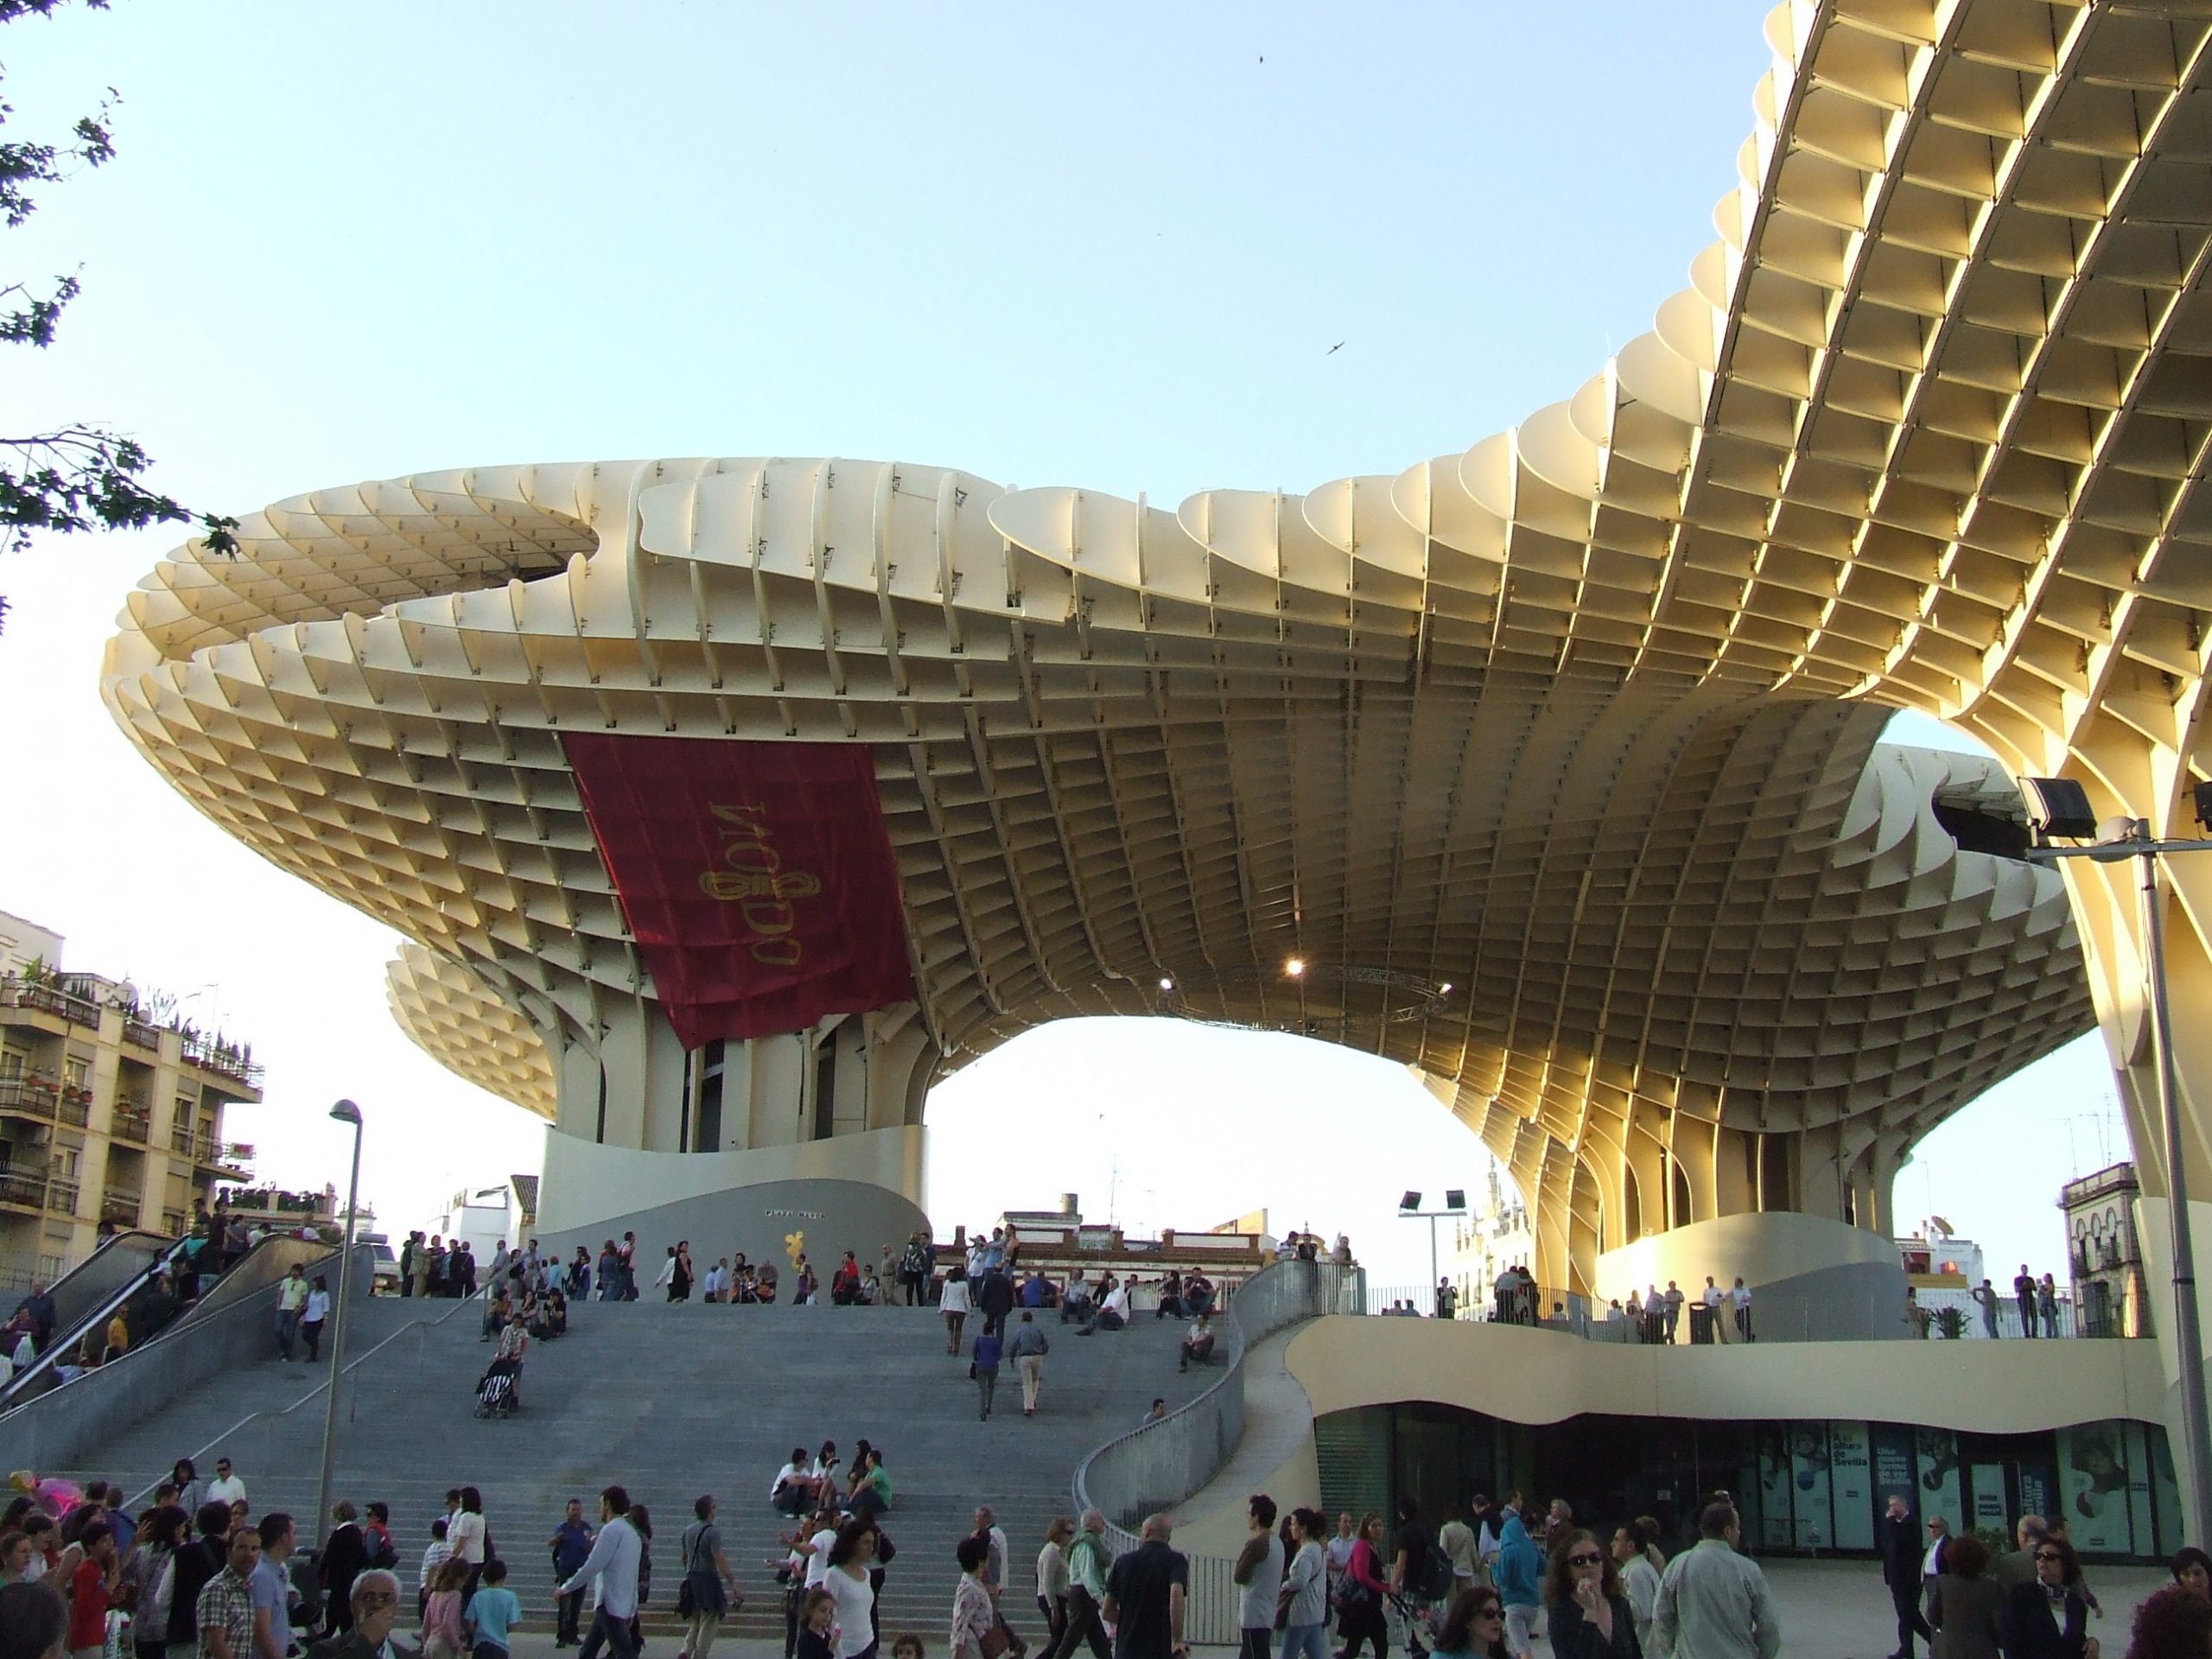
(1416, 1620)
(499, 1393)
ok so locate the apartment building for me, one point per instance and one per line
(110, 1109)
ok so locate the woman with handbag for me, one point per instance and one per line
(700, 1601)
(1359, 1596)
(847, 1583)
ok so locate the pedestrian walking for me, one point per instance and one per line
(1053, 1581)
(709, 1587)
(616, 1555)
(1588, 1609)
(1713, 1603)
(1258, 1575)
(983, 1366)
(571, 1547)
(313, 1312)
(1985, 1297)
(975, 1616)
(1145, 1596)
(1360, 1593)
(1088, 1562)
(1966, 1606)
(1304, 1594)
(1028, 1349)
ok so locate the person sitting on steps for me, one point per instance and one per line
(1198, 1345)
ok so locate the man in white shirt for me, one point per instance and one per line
(291, 1300)
(818, 1548)
(1741, 1296)
(612, 1562)
(1713, 1296)
(225, 1488)
(987, 1527)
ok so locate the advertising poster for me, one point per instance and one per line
(1893, 1470)
(1850, 1464)
(1774, 1491)
(1989, 1513)
(1936, 1451)
(2165, 1493)
(1808, 1473)
(2093, 1481)
(2139, 1490)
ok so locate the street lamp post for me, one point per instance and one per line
(345, 1112)
(2060, 806)
(1455, 1204)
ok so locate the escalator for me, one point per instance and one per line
(117, 1274)
(149, 1308)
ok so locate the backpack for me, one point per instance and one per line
(1436, 1577)
(381, 1553)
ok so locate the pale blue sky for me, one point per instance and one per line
(1107, 245)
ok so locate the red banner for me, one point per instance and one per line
(757, 877)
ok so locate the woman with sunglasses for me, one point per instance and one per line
(2047, 1617)
(1590, 1617)
(1475, 1627)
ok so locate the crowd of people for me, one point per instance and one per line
(195, 1568)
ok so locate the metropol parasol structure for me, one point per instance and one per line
(726, 803)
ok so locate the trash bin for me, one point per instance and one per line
(1700, 1324)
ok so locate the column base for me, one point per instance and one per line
(855, 1192)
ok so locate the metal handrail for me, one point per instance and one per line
(1265, 1303)
(420, 1330)
(19, 1388)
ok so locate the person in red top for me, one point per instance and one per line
(90, 1589)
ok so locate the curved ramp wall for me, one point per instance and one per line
(1811, 1279)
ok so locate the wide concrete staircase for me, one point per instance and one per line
(673, 1402)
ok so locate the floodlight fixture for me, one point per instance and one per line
(1455, 1198)
(2059, 807)
(1411, 1201)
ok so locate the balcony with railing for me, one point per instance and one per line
(139, 1034)
(224, 1059)
(21, 1191)
(181, 1139)
(61, 1195)
(132, 1120)
(30, 1097)
(224, 1158)
(119, 1205)
(76, 1105)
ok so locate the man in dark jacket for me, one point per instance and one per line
(995, 1299)
(197, 1563)
(1899, 1535)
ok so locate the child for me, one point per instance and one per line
(492, 1611)
(434, 1557)
(908, 1646)
(816, 1616)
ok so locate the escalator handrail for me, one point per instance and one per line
(67, 1341)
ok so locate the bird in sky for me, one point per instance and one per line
(1334, 349)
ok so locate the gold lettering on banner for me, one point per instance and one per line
(752, 877)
